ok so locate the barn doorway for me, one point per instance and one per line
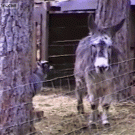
(65, 32)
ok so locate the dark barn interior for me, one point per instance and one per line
(65, 31)
(60, 30)
(132, 34)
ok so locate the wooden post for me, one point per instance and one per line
(36, 20)
(16, 108)
(40, 16)
(45, 28)
(34, 44)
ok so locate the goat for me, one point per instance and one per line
(38, 76)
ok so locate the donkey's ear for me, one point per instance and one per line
(112, 30)
(91, 24)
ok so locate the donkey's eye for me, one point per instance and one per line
(109, 47)
(94, 49)
(94, 46)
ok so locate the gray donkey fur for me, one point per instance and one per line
(96, 67)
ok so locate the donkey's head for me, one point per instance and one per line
(101, 44)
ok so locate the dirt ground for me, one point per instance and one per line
(61, 118)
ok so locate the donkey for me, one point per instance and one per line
(94, 67)
(38, 76)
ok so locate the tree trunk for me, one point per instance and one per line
(15, 67)
(111, 12)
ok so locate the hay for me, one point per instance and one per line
(60, 117)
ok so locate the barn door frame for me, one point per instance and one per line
(41, 19)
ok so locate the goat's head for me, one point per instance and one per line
(44, 66)
(101, 44)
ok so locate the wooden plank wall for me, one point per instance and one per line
(65, 31)
(132, 38)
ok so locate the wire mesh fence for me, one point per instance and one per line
(56, 104)
(62, 116)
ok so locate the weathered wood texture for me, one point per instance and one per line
(15, 67)
(41, 18)
(111, 12)
(78, 5)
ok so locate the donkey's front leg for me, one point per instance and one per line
(106, 101)
(80, 106)
(93, 99)
(79, 95)
(104, 117)
(95, 114)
